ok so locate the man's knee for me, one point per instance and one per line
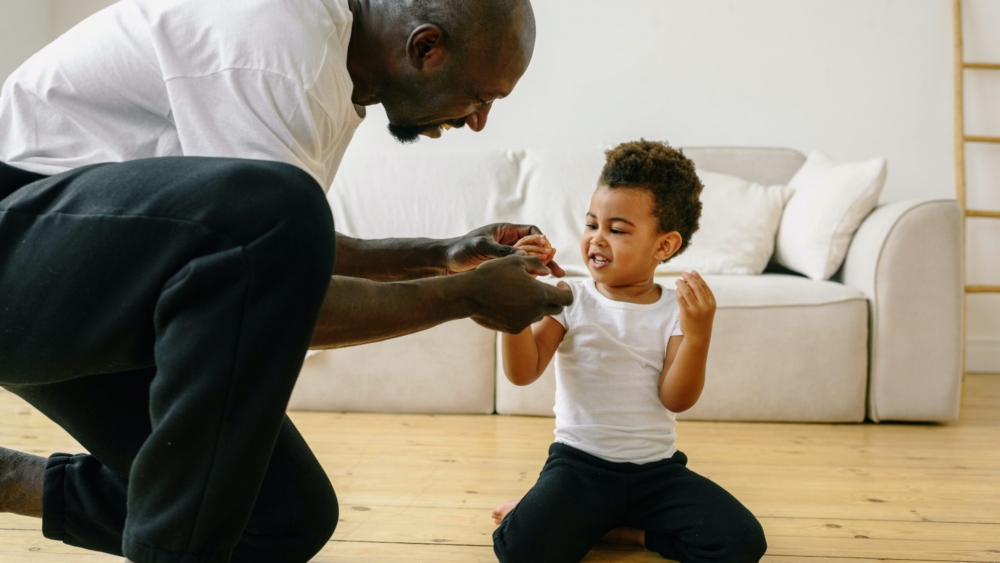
(318, 519)
(279, 210)
(266, 192)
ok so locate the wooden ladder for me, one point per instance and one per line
(961, 65)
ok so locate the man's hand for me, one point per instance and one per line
(507, 298)
(697, 304)
(489, 242)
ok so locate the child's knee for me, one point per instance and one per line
(524, 546)
(746, 542)
(507, 549)
(740, 541)
(756, 542)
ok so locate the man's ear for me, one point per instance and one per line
(425, 49)
(669, 244)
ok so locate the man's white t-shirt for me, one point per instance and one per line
(254, 79)
(608, 370)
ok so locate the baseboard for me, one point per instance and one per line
(982, 355)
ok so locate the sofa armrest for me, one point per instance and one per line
(906, 258)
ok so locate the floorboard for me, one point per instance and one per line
(420, 488)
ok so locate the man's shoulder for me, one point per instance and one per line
(288, 38)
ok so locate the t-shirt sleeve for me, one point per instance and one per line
(563, 316)
(676, 330)
(253, 115)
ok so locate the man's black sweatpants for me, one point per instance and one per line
(579, 498)
(160, 311)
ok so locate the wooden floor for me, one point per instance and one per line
(420, 488)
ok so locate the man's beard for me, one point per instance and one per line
(407, 134)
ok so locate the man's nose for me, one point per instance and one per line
(477, 120)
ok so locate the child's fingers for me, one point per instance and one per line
(684, 294)
(534, 250)
(700, 286)
(531, 240)
(697, 286)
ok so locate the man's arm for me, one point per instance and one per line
(500, 295)
(391, 260)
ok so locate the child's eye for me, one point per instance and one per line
(617, 232)
(591, 226)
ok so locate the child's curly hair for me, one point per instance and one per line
(667, 174)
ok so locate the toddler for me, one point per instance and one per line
(630, 355)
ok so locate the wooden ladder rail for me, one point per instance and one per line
(961, 139)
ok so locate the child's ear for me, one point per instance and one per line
(670, 243)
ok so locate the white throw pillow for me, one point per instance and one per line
(829, 202)
(739, 219)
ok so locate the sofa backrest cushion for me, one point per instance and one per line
(445, 194)
(420, 194)
(762, 165)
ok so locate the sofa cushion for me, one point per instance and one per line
(830, 201)
(768, 166)
(739, 220)
(784, 348)
(423, 194)
(447, 369)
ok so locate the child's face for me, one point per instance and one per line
(622, 243)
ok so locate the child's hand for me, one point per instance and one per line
(537, 246)
(697, 306)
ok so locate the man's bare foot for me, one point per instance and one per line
(626, 536)
(21, 478)
(502, 510)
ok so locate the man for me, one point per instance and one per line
(159, 309)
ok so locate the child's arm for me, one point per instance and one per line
(683, 376)
(526, 355)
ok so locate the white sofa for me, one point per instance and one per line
(882, 339)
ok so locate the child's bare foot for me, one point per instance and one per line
(626, 536)
(502, 510)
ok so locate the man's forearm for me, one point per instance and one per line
(358, 311)
(390, 259)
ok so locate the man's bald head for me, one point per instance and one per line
(440, 62)
(480, 26)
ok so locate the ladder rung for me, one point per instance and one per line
(982, 289)
(981, 139)
(982, 213)
(982, 66)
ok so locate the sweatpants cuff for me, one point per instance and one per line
(141, 553)
(54, 497)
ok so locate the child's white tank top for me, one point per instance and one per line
(608, 370)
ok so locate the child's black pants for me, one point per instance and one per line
(579, 498)
(159, 311)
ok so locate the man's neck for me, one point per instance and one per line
(364, 51)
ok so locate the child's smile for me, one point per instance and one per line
(598, 261)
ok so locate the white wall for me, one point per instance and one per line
(24, 29)
(853, 78)
(67, 13)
